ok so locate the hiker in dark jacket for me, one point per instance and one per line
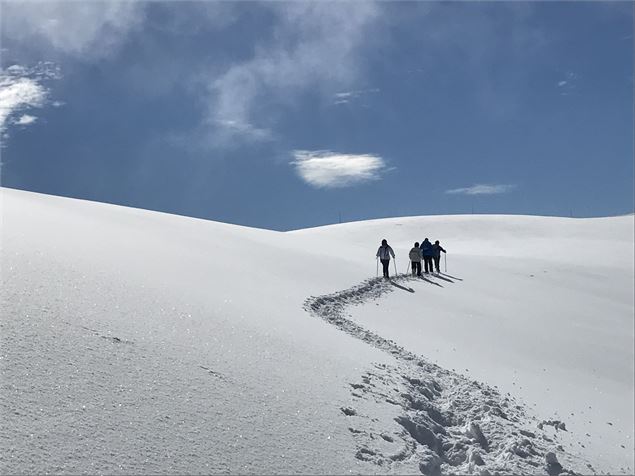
(428, 254)
(383, 253)
(415, 259)
(437, 249)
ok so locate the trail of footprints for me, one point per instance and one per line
(446, 423)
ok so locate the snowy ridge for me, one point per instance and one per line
(449, 423)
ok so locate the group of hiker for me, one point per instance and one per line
(427, 252)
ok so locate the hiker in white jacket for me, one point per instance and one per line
(384, 253)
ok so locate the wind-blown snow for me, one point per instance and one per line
(140, 342)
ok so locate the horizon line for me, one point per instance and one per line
(335, 223)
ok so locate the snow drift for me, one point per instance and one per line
(140, 342)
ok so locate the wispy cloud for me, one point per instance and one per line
(327, 169)
(91, 30)
(231, 127)
(25, 120)
(315, 46)
(568, 84)
(482, 189)
(345, 97)
(21, 89)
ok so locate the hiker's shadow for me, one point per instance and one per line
(410, 290)
(429, 281)
(443, 278)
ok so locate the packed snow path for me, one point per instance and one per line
(448, 423)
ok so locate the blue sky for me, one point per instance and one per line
(287, 115)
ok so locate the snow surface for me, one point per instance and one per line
(141, 342)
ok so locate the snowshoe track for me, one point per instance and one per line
(446, 423)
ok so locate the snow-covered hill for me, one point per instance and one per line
(140, 342)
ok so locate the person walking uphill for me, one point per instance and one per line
(383, 253)
(437, 254)
(415, 259)
(428, 253)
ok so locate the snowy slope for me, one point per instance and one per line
(140, 342)
(541, 307)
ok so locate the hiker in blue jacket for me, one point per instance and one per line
(437, 249)
(428, 254)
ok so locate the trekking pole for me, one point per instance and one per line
(408, 268)
(445, 261)
(377, 267)
(395, 263)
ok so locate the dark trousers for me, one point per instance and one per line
(427, 261)
(416, 268)
(436, 263)
(384, 264)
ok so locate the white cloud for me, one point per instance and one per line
(23, 88)
(314, 47)
(16, 94)
(327, 169)
(482, 189)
